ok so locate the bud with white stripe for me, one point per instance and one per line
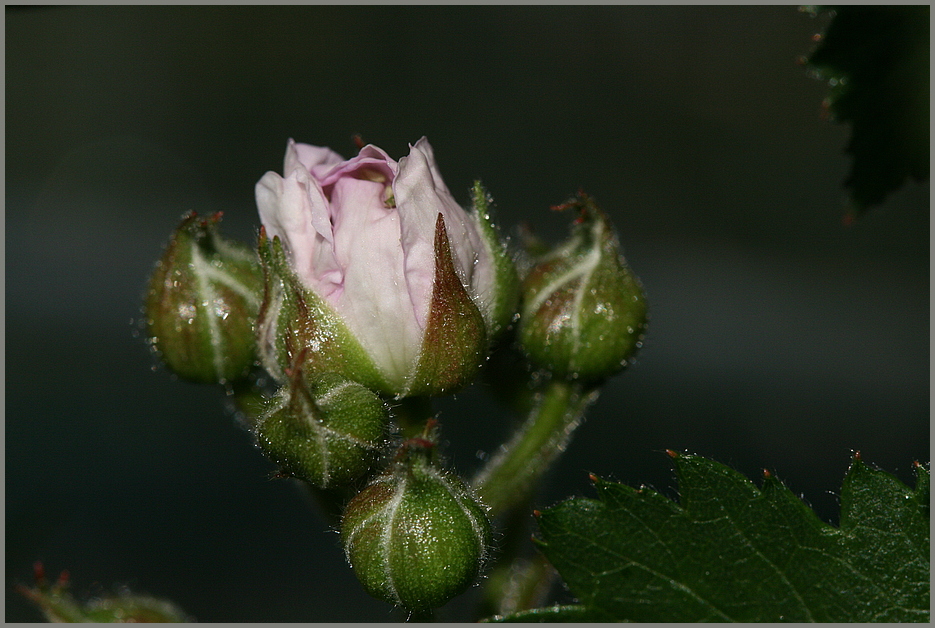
(202, 303)
(415, 536)
(583, 311)
(326, 431)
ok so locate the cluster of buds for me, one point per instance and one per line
(371, 285)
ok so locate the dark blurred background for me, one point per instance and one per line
(779, 338)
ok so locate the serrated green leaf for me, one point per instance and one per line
(876, 61)
(730, 551)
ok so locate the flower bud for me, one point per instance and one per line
(584, 312)
(202, 303)
(415, 536)
(326, 433)
(372, 266)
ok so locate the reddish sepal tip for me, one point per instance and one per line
(593, 478)
(857, 455)
(536, 513)
(38, 572)
(672, 454)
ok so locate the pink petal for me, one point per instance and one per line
(420, 196)
(374, 301)
(316, 160)
(371, 158)
(296, 210)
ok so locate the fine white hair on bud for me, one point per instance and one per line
(327, 433)
(584, 313)
(201, 303)
(415, 536)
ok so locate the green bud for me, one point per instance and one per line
(584, 312)
(415, 536)
(326, 431)
(202, 303)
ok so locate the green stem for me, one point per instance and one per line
(521, 578)
(511, 476)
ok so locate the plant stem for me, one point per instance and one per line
(521, 578)
(511, 476)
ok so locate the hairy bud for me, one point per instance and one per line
(202, 303)
(327, 432)
(584, 312)
(415, 536)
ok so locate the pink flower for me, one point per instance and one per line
(379, 242)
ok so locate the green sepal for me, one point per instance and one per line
(584, 312)
(415, 536)
(327, 432)
(201, 303)
(454, 344)
(506, 279)
(293, 320)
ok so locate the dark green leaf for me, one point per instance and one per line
(729, 551)
(876, 61)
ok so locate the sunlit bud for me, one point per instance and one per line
(372, 266)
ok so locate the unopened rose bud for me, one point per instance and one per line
(202, 303)
(327, 433)
(373, 268)
(415, 536)
(584, 312)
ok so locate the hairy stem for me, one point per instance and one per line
(511, 476)
(522, 577)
